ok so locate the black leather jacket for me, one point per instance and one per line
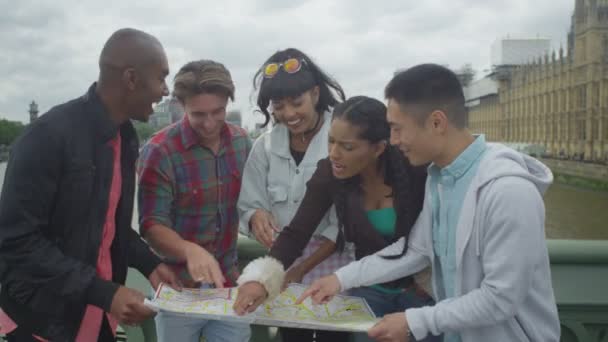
(52, 212)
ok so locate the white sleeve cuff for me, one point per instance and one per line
(267, 271)
(345, 277)
(415, 321)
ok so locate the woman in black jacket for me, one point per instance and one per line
(378, 196)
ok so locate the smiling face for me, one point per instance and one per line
(206, 114)
(150, 88)
(297, 113)
(420, 142)
(349, 154)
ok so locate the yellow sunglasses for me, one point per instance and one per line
(290, 66)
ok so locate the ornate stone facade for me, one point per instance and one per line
(559, 101)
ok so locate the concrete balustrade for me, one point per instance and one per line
(580, 280)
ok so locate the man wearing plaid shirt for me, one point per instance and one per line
(189, 183)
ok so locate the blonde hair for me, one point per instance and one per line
(202, 77)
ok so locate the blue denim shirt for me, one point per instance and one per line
(448, 187)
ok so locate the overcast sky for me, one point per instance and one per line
(49, 49)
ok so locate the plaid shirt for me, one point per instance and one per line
(186, 187)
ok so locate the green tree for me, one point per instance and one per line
(144, 130)
(9, 130)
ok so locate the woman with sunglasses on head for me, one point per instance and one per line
(300, 96)
(378, 196)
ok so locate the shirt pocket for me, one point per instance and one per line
(191, 200)
(277, 194)
(195, 214)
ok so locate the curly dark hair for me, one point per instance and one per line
(370, 116)
(284, 85)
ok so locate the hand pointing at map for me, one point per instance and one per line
(322, 290)
(342, 313)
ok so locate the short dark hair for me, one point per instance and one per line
(284, 85)
(202, 77)
(429, 87)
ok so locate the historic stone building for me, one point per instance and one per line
(166, 113)
(558, 101)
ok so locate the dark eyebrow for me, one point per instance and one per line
(342, 141)
(218, 109)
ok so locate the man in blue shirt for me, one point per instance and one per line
(481, 227)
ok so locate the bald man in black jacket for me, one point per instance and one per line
(65, 215)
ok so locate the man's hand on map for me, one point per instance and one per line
(163, 274)
(203, 267)
(322, 290)
(293, 275)
(250, 296)
(263, 226)
(392, 327)
(128, 307)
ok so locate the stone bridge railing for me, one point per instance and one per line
(579, 269)
(580, 279)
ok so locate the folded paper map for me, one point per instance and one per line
(342, 313)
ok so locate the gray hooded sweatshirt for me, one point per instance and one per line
(503, 289)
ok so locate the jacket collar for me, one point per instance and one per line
(189, 137)
(100, 115)
(459, 167)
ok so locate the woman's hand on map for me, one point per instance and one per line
(250, 296)
(264, 226)
(322, 290)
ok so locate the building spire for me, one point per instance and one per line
(33, 111)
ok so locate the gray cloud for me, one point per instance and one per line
(49, 50)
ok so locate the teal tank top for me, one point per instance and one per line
(384, 221)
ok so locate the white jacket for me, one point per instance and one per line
(272, 180)
(503, 281)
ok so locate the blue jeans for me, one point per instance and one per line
(171, 327)
(383, 303)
